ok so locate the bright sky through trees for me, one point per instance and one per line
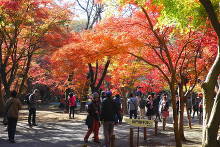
(111, 8)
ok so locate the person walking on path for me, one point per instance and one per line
(72, 105)
(133, 106)
(156, 107)
(196, 105)
(13, 105)
(189, 105)
(164, 110)
(32, 106)
(117, 100)
(93, 118)
(142, 105)
(108, 111)
(150, 107)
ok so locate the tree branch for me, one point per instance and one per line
(141, 58)
(212, 15)
(104, 73)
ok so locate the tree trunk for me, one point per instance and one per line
(189, 117)
(212, 127)
(209, 107)
(93, 77)
(7, 90)
(181, 111)
(1, 100)
(124, 101)
(181, 119)
(5, 84)
(124, 105)
(25, 74)
(103, 74)
(175, 118)
(210, 118)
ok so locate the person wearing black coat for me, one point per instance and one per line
(156, 104)
(150, 107)
(108, 111)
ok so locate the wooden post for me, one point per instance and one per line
(189, 116)
(113, 141)
(145, 133)
(131, 137)
(138, 136)
(156, 127)
(200, 118)
(164, 123)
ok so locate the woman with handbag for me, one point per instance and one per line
(164, 109)
(13, 105)
(93, 118)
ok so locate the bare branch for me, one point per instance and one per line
(81, 5)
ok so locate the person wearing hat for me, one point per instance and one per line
(108, 111)
(93, 118)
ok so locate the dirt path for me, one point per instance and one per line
(55, 129)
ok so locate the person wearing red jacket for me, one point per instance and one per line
(93, 118)
(72, 105)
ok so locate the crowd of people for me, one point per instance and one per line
(107, 110)
(104, 109)
(194, 105)
(149, 106)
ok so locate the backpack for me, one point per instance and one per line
(142, 104)
(26, 99)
